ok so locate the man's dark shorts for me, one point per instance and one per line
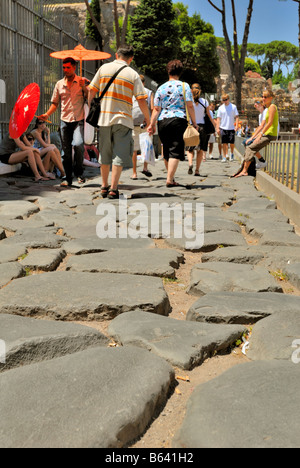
(228, 137)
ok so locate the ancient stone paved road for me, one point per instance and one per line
(64, 385)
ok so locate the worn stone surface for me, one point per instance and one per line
(219, 276)
(293, 274)
(29, 340)
(183, 344)
(216, 411)
(273, 337)
(97, 398)
(43, 259)
(241, 307)
(9, 272)
(152, 262)
(83, 296)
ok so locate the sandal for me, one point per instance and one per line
(114, 194)
(174, 184)
(147, 173)
(105, 191)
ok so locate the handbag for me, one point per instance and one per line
(191, 135)
(208, 128)
(95, 109)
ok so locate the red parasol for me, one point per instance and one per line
(80, 54)
(24, 110)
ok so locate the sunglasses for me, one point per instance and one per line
(30, 139)
(225, 100)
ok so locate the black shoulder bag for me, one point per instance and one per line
(209, 128)
(95, 109)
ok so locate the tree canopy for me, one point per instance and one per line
(160, 31)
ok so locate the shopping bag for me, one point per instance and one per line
(147, 148)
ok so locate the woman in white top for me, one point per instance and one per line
(201, 107)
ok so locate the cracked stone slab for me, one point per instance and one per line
(241, 307)
(280, 237)
(36, 238)
(43, 259)
(233, 277)
(97, 398)
(183, 344)
(248, 206)
(94, 244)
(29, 340)
(11, 253)
(271, 389)
(210, 241)
(9, 272)
(273, 337)
(67, 295)
(152, 262)
(17, 209)
(234, 255)
(293, 273)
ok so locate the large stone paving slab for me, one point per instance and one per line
(29, 340)
(36, 238)
(254, 405)
(83, 296)
(208, 242)
(18, 209)
(9, 272)
(273, 337)
(221, 276)
(183, 344)
(153, 262)
(11, 253)
(94, 244)
(245, 308)
(97, 398)
(293, 273)
(249, 255)
(43, 259)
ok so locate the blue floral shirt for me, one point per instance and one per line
(170, 98)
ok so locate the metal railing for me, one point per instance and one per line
(283, 158)
(29, 31)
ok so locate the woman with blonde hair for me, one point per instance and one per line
(266, 135)
(201, 106)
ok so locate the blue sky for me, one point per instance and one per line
(272, 19)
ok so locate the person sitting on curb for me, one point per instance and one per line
(14, 151)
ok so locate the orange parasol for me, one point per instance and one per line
(80, 54)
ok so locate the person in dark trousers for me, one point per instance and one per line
(71, 93)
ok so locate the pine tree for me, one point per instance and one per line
(154, 37)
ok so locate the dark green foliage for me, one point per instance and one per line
(154, 36)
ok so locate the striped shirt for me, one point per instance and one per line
(116, 106)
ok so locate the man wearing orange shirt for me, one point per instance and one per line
(116, 122)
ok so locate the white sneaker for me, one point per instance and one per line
(261, 164)
(232, 157)
(227, 157)
(224, 160)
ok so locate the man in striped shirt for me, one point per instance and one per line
(116, 122)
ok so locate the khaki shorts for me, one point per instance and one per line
(256, 147)
(116, 145)
(137, 131)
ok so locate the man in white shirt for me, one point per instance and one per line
(227, 122)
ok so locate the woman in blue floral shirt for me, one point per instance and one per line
(170, 112)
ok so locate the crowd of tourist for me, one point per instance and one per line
(129, 109)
